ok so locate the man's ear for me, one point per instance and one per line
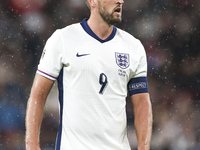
(92, 3)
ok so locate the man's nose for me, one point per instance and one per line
(120, 1)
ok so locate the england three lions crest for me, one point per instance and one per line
(122, 60)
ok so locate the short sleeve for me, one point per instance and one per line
(138, 82)
(51, 60)
(141, 70)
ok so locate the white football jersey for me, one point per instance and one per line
(93, 76)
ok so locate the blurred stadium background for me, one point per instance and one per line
(170, 32)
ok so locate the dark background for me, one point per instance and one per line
(170, 33)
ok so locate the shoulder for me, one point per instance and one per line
(69, 32)
(70, 28)
(127, 36)
(66, 32)
(129, 39)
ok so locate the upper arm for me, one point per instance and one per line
(141, 102)
(141, 70)
(48, 69)
(143, 119)
(41, 87)
(140, 98)
(35, 108)
(138, 77)
(51, 60)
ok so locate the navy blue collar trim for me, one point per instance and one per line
(91, 33)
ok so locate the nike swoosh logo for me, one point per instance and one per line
(80, 55)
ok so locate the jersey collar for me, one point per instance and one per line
(91, 33)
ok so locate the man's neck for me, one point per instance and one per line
(100, 27)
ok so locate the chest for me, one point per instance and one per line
(114, 59)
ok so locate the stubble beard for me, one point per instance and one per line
(107, 17)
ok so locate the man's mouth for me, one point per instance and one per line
(117, 10)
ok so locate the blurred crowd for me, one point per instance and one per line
(170, 33)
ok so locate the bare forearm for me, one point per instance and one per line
(34, 116)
